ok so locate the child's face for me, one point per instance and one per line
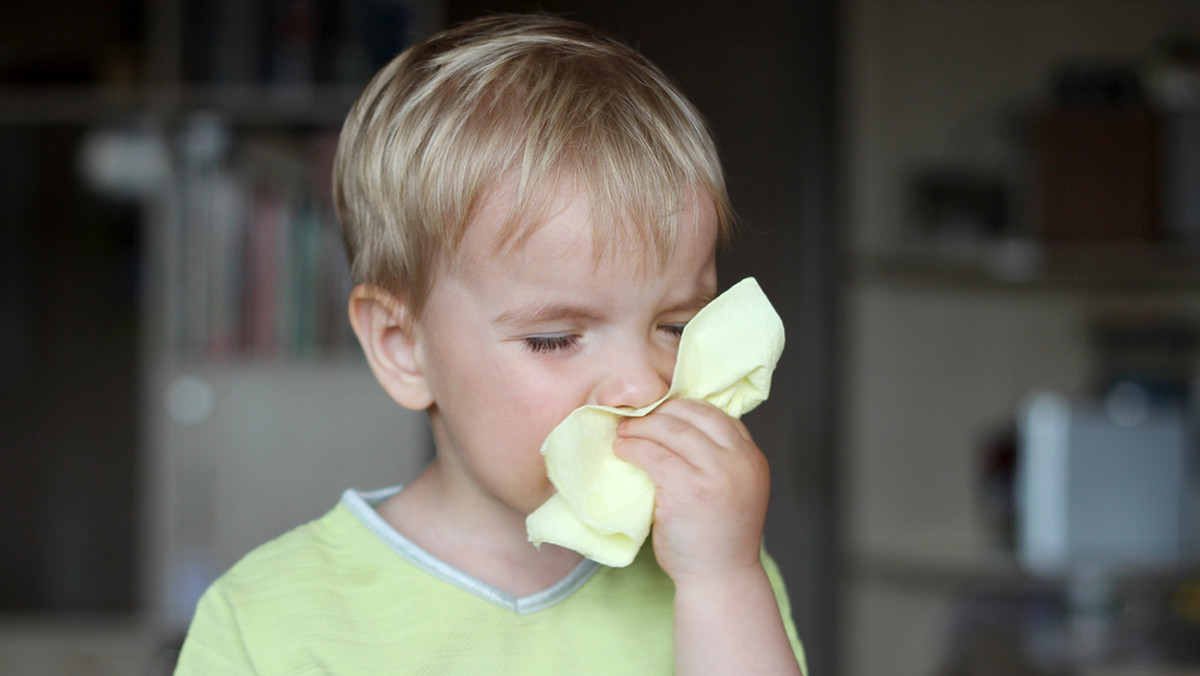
(511, 342)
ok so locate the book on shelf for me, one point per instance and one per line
(296, 42)
(261, 272)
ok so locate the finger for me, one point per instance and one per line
(675, 434)
(657, 461)
(715, 424)
(723, 428)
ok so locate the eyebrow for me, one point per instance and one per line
(553, 312)
(691, 305)
(549, 312)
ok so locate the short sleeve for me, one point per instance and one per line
(785, 608)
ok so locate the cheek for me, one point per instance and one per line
(538, 399)
(547, 391)
(534, 412)
(511, 395)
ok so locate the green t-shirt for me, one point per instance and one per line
(347, 594)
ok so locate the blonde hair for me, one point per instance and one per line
(521, 100)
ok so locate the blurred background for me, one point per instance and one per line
(979, 219)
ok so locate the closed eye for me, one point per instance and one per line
(551, 343)
(675, 330)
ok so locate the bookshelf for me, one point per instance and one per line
(233, 404)
(257, 261)
(1026, 266)
(270, 410)
(945, 337)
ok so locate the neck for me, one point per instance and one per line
(483, 539)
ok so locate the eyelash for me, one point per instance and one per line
(542, 344)
(564, 342)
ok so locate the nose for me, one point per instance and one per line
(635, 377)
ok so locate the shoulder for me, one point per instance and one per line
(294, 555)
(307, 583)
(257, 593)
(333, 551)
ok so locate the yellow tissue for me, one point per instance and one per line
(604, 506)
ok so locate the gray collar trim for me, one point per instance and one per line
(362, 505)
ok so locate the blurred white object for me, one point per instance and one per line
(190, 400)
(1097, 491)
(126, 162)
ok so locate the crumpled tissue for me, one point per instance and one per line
(604, 506)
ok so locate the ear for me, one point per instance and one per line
(388, 336)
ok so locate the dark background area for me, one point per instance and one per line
(69, 328)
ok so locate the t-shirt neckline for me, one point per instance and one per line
(362, 505)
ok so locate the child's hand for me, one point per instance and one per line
(711, 485)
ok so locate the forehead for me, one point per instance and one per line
(566, 221)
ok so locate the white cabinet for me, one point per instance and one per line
(256, 450)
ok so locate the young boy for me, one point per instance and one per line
(532, 212)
